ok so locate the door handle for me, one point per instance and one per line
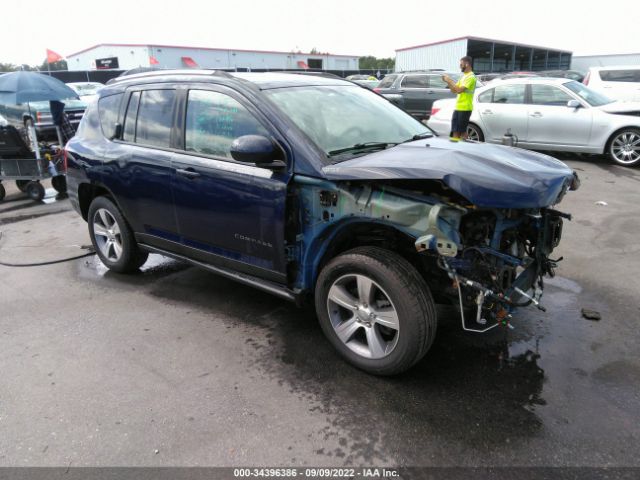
(487, 112)
(187, 172)
(399, 91)
(536, 114)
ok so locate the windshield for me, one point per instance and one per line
(339, 117)
(592, 97)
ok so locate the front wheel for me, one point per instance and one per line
(112, 238)
(624, 147)
(376, 310)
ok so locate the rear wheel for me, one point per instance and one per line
(376, 310)
(35, 190)
(624, 147)
(474, 133)
(112, 237)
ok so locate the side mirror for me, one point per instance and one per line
(574, 104)
(256, 149)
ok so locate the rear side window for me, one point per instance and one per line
(108, 108)
(214, 121)
(415, 81)
(509, 94)
(155, 118)
(630, 75)
(387, 81)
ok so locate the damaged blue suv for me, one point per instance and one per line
(316, 189)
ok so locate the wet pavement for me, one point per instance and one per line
(105, 369)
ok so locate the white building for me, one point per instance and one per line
(127, 56)
(488, 56)
(582, 63)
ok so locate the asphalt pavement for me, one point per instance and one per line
(175, 366)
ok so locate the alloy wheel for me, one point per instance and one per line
(363, 316)
(473, 134)
(107, 235)
(625, 147)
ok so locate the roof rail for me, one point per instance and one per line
(159, 73)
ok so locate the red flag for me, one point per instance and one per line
(53, 56)
(153, 60)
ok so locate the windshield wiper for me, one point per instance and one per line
(362, 146)
(419, 136)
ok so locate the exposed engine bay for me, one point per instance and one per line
(489, 261)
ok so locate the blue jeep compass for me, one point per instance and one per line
(313, 188)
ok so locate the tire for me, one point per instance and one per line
(474, 133)
(3, 192)
(396, 287)
(59, 183)
(35, 190)
(624, 147)
(112, 237)
(22, 185)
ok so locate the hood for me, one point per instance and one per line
(621, 107)
(487, 175)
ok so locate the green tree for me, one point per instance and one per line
(8, 67)
(61, 65)
(372, 63)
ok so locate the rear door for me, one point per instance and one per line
(229, 213)
(138, 170)
(438, 90)
(552, 123)
(503, 110)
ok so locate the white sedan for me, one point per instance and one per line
(554, 114)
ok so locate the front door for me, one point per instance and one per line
(552, 123)
(229, 213)
(414, 91)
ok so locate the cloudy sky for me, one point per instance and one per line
(351, 27)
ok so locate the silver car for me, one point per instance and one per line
(554, 114)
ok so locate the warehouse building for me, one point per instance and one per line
(126, 56)
(488, 56)
(582, 63)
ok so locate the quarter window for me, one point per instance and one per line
(549, 95)
(108, 108)
(508, 94)
(129, 134)
(485, 97)
(214, 121)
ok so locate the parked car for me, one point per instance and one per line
(40, 114)
(314, 189)
(86, 90)
(619, 83)
(550, 114)
(415, 92)
(571, 74)
(368, 81)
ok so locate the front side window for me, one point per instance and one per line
(214, 121)
(415, 81)
(509, 94)
(436, 81)
(155, 117)
(549, 95)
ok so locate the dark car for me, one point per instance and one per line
(40, 114)
(315, 189)
(415, 92)
(571, 74)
